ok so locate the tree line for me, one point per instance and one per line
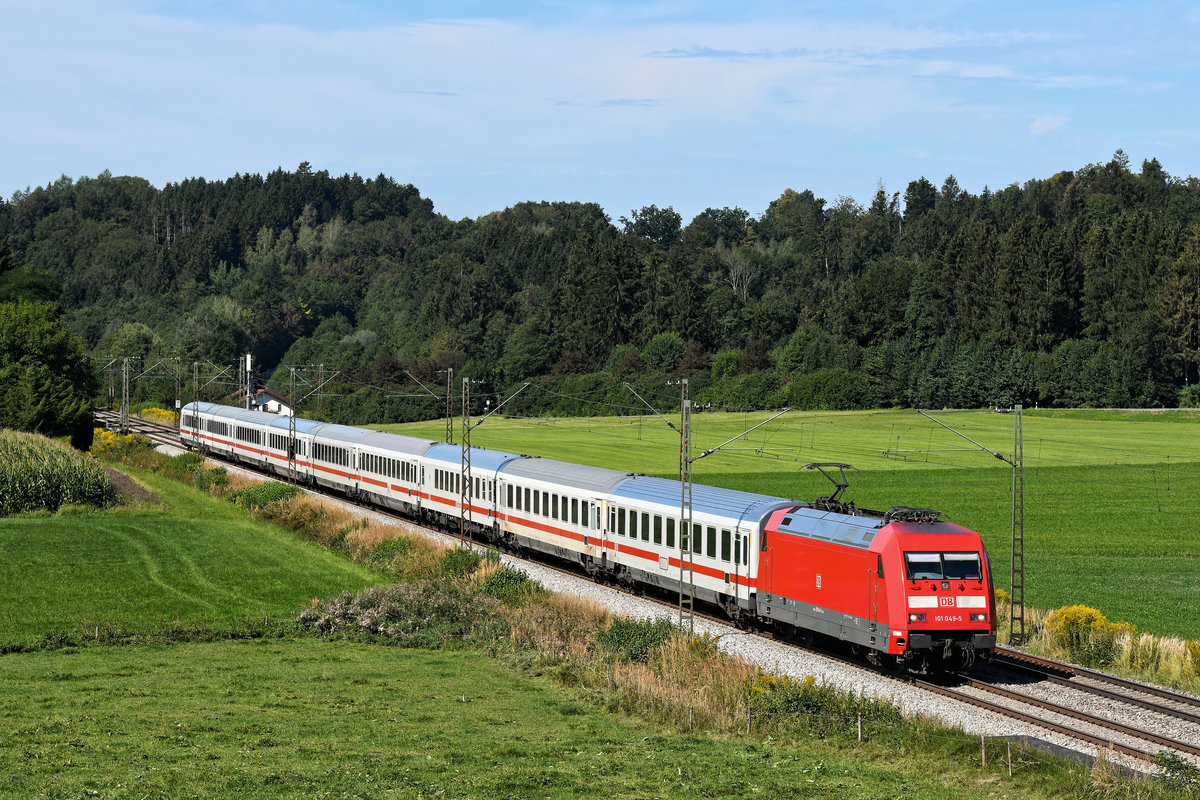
(1075, 290)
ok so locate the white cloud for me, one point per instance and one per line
(1047, 124)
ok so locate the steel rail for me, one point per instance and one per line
(1005, 711)
(1047, 673)
(1010, 655)
(1083, 716)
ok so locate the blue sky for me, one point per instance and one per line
(482, 105)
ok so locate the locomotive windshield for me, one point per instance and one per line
(942, 566)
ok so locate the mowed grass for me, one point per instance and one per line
(307, 718)
(1112, 499)
(197, 561)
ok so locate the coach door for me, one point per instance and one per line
(874, 588)
(597, 529)
(741, 562)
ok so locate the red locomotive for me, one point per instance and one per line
(904, 587)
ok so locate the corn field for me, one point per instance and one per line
(39, 473)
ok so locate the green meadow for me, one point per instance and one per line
(194, 561)
(197, 703)
(308, 718)
(1112, 499)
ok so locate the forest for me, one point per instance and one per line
(1075, 290)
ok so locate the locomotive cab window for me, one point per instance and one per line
(942, 566)
(923, 566)
(961, 566)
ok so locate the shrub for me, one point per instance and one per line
(778, 699)
(1178, 774)
(185, 463)
(458, 562)
(129, 448)
(208, 479)
(507, 584)
(157, 415)
(425, 614)
(262, 494)
(634, 640)
(1085, 634)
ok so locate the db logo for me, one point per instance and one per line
(818, 581)
(946, 601)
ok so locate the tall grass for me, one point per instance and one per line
(37, 473)
(1082, 635)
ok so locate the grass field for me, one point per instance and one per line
(1112, 499)
(306, 718)
(197, 561)
(301, 716)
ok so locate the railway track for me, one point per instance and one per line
(1015, 687)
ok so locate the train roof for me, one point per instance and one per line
(711, 500)
(345, 434)
(482, 459)
(305, 426)
(398, 443)
(829, 526)
(235, 413)
(595, 480)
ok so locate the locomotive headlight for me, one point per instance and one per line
(979, 617)
(919, 617)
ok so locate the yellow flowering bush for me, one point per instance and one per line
(1085, 634)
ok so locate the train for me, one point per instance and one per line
(906, 589)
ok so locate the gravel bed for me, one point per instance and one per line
(771, 655)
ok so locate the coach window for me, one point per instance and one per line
(657, 529)
(725, 543)
(645, 527)
(620, 526)
(575, 512)
(712, 542)
(737, 549)
(670, 531)
(537, 503)
(695, 538)
(554, 506)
